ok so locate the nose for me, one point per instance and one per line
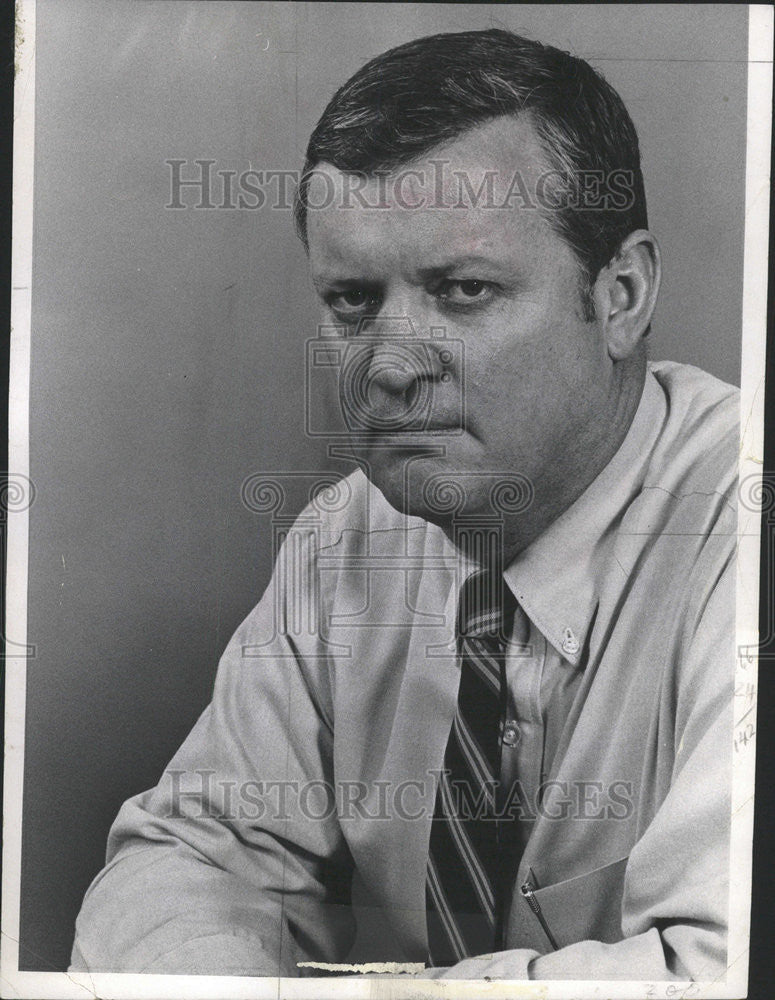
(401, 356)
(389, 375)
(395, 368)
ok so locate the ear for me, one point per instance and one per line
(625, 293)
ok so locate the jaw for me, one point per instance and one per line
(440, 477)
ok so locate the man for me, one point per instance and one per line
(492, 676)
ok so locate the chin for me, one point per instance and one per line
(406, 499)
(429, 493)
(431, 486)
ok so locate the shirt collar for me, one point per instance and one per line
(558, 578)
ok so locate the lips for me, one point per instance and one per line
(395, 426)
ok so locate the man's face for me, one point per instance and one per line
(534, 375)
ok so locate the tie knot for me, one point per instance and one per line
(486, 606)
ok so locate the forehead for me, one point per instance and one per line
(463, 198)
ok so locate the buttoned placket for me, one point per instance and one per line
(522, 729)
(540, 684)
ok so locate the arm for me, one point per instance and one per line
(216, 870)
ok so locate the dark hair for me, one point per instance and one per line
(427, 92)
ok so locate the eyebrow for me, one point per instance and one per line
(321, 281)
(444, 267)
(424, 273)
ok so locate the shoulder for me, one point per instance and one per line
(681, 525)
(691, 383)
(697, 451)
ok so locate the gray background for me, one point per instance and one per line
(168, 347)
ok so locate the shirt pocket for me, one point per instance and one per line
(587, 907)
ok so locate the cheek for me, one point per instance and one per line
(505, 360)
(531, 396)
(548, 348)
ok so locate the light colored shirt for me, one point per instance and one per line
(557, 581)
(319, 753)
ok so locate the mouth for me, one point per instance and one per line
(397, 435)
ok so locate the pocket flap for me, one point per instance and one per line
(585, 908)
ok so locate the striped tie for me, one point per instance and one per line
(463, 863)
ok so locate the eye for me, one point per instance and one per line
(465, 291)
(471, 289)
(352, 301)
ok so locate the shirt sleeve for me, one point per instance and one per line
(675, 903)
(235, 863)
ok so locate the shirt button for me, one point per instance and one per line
(570, 644)
(510, 733)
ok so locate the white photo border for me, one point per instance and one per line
(136, 987)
